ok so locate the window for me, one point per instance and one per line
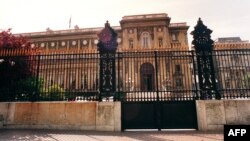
(73, 43)
(95, 83)
(131, 43)
(160, 42)
(84, 84)
(145, 40)
(174, 36)
(226, 74)
(63, 43)
(227, 84)
(61, 79)
(186, 38)
(52, 44)
(73, 85)
(178, 69)
(235, 59)
(50, 78)
(42, 45)
(126, 66)
(178, 82)
(72, 80)
(167, 70)
(237, 74)
(136, 66)
(84, 42)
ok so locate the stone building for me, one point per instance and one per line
(231, 43)
(233, 63)
(137, 33)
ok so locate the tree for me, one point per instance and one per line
(10, 41)
(26, 88)
(13, 67)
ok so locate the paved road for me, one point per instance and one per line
(58, 135)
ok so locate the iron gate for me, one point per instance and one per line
(159, 115)
(159, 90)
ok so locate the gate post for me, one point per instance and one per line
(107, 46)
(204, 52)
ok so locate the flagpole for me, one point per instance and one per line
(70, 22)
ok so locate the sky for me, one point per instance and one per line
(227, 18)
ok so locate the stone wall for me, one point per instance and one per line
(106, 116)
(214, 114)
(101, 116)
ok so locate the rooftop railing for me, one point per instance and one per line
(178, 24)
(49, 32)
(145, 16)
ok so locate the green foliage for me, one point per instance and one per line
(120, 95)
(53, 93)
(28, 89)
(13, 67)
(15, 70)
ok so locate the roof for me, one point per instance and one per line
(229, 39)
(145, 16)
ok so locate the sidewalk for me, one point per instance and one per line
(58, 135)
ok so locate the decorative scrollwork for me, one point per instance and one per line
(107, 46)
(204, 51)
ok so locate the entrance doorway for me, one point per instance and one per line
(147, 77)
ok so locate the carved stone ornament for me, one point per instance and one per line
(145, 29)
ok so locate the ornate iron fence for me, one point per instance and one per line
(140, 76)
(232, 68)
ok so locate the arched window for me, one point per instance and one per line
(145, 40)
(131, 43)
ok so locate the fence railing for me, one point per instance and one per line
(233, 71)
(140, 76)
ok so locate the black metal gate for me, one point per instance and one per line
(170, 101)
(178, 115)
(159, 115)
(172, 104)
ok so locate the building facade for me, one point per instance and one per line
(233, 65)
(144, 34)
(152, 54)
(138, 32)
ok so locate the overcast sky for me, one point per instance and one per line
(225, 17)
